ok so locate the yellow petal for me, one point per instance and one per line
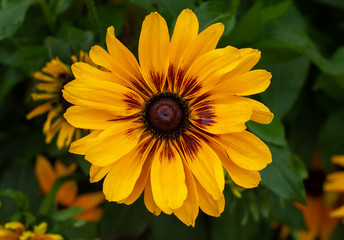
(65, 135)
(338, 159)
(44, 78)
(249, 83)
(18, 226)
(149, 201)
(168, 178)
(154, 50)
(339, 212)
(209, 205)
(51, 116)
(222, 118)
(334, 182)
(45, 173)
(89, 200)
(144, 176)
(80, 146)
(122, 55)
(97, 173)
(188, 212)
(55, 127)
(207, 70)
(40, 110)
(185, 31)
(83, 70)
(260, 114)
(203, 43)
(249, 58)
(112, 144)
(205, 165)
(102, 95)
(246, 150)
(67, 193)
(121, 179)
(242, 177)
(54, 87)
(86, 118)
(44, 96)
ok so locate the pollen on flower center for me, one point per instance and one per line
(166, 115)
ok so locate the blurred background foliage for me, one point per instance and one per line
(302, 46)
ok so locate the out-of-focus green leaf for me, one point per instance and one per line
(283, 177)
(57, 47)
(59, 6)
(124, 221)
(248, 29)
(20, 200)
(275, 11)
(22, 59)
(81, 230)
(237, 221)
(216, 11)
(111, 15)
(67, 214)
(332, 3)
(272, 133)
(170, 228)
(12, 16)
(168, 9)
(285, 212)
(331, 138)
(286, 83)
(76, 38)
(9, 78)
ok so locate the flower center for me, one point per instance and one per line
(166, 115)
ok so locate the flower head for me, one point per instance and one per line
(16, 231)
(67, 195)
(52, 78)
(169, 125)
(335, 183)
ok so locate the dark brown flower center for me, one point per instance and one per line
(166, 115)
(314, 183)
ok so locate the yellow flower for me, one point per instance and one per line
(52, 78)
(169, 125)
(67, 195)
(319, 205)
(16, 231)
(335, 183)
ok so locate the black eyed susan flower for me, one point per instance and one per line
(170, 125)
(335, 183)
(51, 80)
(68, 196)
(16, 231)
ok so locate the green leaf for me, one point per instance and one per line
(20, 200)
(286, 84)
(216, 11)
(248, 29)
(76, 38)
(284, 175)
(67, 214)
(120, 220)
(168, 9)
(22, 59)
(331, 138)
(12, 16)
(276, 11)
(9, 78)
(111, 15)
(237, 221)
(272, 133)
(58, 48)
(169, 227)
